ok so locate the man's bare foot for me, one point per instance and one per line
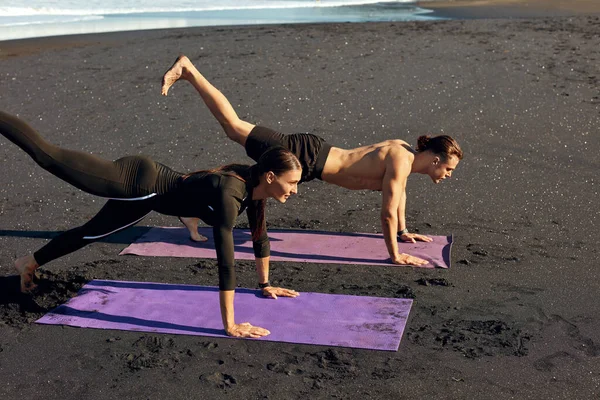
(192, 225)
(177, 71)
(26, 267)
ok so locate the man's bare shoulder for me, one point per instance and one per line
(399, 150)
(398, 144)
(398, 159)
(394, 148)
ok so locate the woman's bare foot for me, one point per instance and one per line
(177, 71)
(192, 225)
(26, 267)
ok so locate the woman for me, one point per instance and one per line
(137, 185)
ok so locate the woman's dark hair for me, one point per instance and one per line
(442, 145)
(278, 160)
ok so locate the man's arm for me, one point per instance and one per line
(403, 235)
(397, 169)
(402, 210)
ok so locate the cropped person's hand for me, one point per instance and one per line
(407, 259)
(272, 292)
(414, 237)
(246, 330)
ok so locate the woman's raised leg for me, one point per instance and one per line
(125, 178)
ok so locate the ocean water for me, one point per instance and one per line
(38, 18)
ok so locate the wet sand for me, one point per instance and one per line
(461, 9)
(515, 317)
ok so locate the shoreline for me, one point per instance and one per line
(496, 9)
(438, 9)
(376, 12)
(448, 10)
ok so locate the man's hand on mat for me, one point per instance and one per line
(273, 292)
(414, 237)
(246, 330)
(407, 259)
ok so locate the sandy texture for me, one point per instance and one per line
(515, 317)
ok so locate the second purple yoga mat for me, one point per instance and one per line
(312, 318)
(293, 245)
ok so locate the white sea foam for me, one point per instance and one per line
(96, 7)
(64, 17)
(51, 19)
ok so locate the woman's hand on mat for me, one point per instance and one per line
(246, 330)
(414, 237)
(407, 259)
(273, 292)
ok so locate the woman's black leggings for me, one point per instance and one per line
(130, 182)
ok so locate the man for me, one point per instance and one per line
(382, 166)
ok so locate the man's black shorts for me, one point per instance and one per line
(311, 150)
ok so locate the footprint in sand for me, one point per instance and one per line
(221, 380)
(548, 363)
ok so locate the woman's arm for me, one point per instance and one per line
(225, 257)
(262, 251)
(262, 272)
(226, 210)
(244, 329)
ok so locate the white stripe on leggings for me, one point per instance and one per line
(135, 198)
(118, 229)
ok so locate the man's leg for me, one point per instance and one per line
(236, 129)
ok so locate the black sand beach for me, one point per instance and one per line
(516, 317)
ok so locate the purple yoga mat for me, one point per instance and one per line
(312, 318)
(293, 245)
